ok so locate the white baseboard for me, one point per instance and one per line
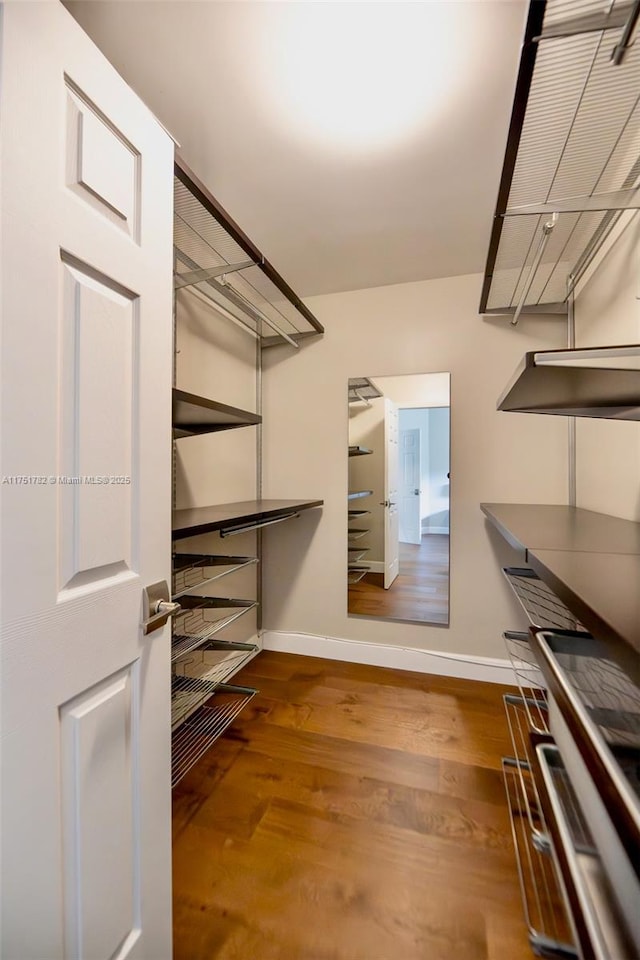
(375, 566)
(426, 530)
(488, 669)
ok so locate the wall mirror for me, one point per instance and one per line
(398, 499)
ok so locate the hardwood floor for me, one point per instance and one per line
(351, 813)
(419, 592)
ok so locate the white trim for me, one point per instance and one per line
(488, 669)
(427, 530)
(375, 566)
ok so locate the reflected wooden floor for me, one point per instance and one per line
(419, 592)
(351, 813)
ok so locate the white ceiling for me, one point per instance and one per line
(357, 144)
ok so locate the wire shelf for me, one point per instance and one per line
(357, 514)
(198, 734)
(202, 618)
(356, 574)
(196, 679)
(357, 553)
(576, 152)
(529, 679)
(518, 723)
(362, 389)
(356, 534)
(545, 914)
(539, 602)
(215, 258)
(193, 570)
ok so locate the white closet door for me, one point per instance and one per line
(391, 494)
(86, 379)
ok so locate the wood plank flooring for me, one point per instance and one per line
(351, 813)
(419, 592)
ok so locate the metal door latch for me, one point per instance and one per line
(156, 607)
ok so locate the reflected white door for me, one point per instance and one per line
(391, 518)
(85, 500)
(409, 484)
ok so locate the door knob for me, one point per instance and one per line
(156, 609)
(417, 491)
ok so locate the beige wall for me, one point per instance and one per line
(608, 312)
(389, 331)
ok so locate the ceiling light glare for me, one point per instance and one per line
(361, 76)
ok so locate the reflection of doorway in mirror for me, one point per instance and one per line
(417, 508)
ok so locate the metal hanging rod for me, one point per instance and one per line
(209, 273)
(547, 229)
(226, 292)
(246, 527)
(214, 295)
(245, 304)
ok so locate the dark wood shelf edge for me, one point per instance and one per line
(612, 394)
(358, 451)
(233, 417)
(623, 645)
(547, 526)
(196, 520)
(597, 584)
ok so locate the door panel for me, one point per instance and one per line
(409, 485)
(98, 387)
(100, 805)
(87, 182)
(102, 167)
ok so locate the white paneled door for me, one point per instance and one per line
(391, 493)
(409, 486)
(85, 500)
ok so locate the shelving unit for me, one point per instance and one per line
(217, 260)
(194, 415)
(580, 593)
(225, 284)
(527, 715)
(601, 382)
(233, 518)
(571, 163)
(362, 390)
(356, 569)
(590, 561)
